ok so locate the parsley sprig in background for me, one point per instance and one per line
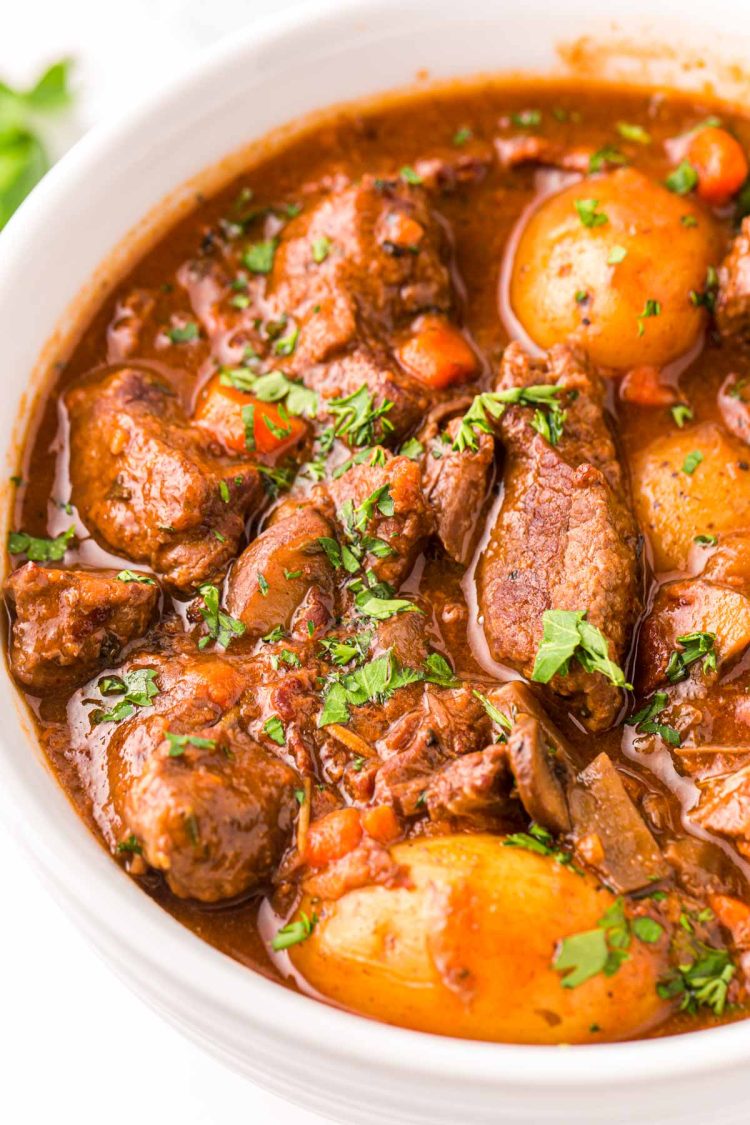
(23, 118)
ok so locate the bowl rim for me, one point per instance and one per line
(108, 904)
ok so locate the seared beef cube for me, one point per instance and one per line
(456, 486)
(68, 622)
(381, 261)
(383, 503)
(733, 298)
(273, 576)
(214, 812)
(724, 808)
(150, 486)
(565, 537)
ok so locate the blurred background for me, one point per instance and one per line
(75, 1044)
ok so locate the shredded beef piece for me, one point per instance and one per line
(66, 623)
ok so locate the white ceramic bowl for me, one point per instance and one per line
(349, 1068)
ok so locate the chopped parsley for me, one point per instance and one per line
(683, 179)
(274, 728)
(248, 424)
(294, 932)
(492, 404)
(706, 540)
(616, 255)
(688, 220)
(603, 950)
(412, 449)
(462, 136)
(131, 576)
(38, 549)
(375, 681)
(692, 461)
(137, 689)
(605, 156)
(224, 491)
(693, 648)
(130, 846)
(588, 214)
(409, 176)
(541, 842)
(527, 118)
(702, 982)
(356, 416)
(635, 133)
(221, 627)
(644, 720)
(498, 718)
(178, 743)
(259, 256)
(650, 309)
(681, 413)
(320, 248)
(567, 634)
(438, 671)
(285, 345)
(263, 585)
(183, 333)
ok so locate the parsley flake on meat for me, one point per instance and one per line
(222, 627)
(39, 549)
(568, 635)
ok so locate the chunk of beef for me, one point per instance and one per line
(208, 805)
(384, 262)
(475, 787)
(724, 808)
(456, 486)
(150, 486)
(565, 537)
(447, 724)
(692, 606)
(273, 576)
(734, 407)
(68, 622)
(733, 298)
(383, 502)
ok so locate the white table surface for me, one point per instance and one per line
(75, 1044)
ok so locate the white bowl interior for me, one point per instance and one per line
(275, 72)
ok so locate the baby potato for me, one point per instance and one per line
(466, 949)
(674, 505)
(608, 264)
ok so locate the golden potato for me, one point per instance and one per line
(673, 506)
(590, 284)
(467, 949)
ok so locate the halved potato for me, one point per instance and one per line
(467, 949)
(674, 505)
(609, 264)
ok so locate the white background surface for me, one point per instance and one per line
(75, 1045)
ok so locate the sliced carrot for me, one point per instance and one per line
(402, 231)
(382, 824)
(720, 162)
(642, 385)
(244, 424)
(732, 913)
(332, 837)
(437, 353)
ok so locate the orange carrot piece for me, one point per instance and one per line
(720, 162)
(264, 429)
(642, 385)
(437, 353)
(333, 836)
(382, 824)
